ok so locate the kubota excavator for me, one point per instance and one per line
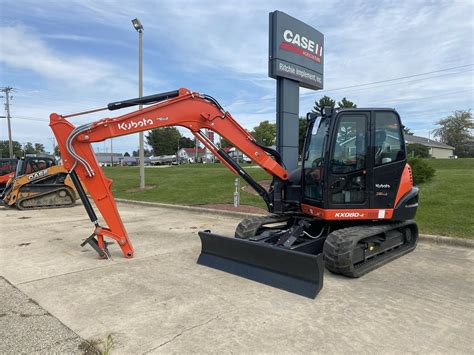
(349, 208)
(38, 182)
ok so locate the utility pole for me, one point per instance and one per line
(196, 150)
(111, 153)
(177, 154)
(141, 154)
(7, 90)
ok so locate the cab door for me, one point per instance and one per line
(389, 157)
(348, 164)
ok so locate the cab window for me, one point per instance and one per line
(314, 160)
(349, 150)
(388, 140)
(348, 161)
(37, 164)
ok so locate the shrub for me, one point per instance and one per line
(422, 171)
(418, 151)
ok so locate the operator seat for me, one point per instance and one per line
(382, 148)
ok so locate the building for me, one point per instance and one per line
(436, 149)
(188, 155)
(108, 159)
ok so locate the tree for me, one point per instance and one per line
(225, 143)
(5, 149)
(164, 141)
(265, 133)
(416, 150)
(185, 142)
(407, 131)
(146, 152)
(323, 102)
(39, 148)
(29, 148)
(455, 130)
(344, 103)
(127, 154)
(57, 152)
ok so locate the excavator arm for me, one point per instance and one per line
(183, 108)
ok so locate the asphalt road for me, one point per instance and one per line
(162, 301)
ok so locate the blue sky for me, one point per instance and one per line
(66, 56)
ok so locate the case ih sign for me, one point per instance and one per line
(295, 51)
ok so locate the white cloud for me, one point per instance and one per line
(21, 49)
(225, 44)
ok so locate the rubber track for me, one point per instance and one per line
(19, 204)
(340, 244)
(249, 227)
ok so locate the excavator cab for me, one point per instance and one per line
(359, 156)
(353, 173)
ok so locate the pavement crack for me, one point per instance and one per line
(27, 315)
(185, 330)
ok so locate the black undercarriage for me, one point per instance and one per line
(290, 252)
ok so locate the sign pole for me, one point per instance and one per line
(295, 59)
(287, 122)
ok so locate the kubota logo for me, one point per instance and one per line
(126, 126)
(347, 214)
(302, 45)
(382, 186)
(37, 175)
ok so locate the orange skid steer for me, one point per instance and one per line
(349, 208)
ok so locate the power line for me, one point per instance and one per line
(404, 82)
(399, 78)
(27, 118)
(31, 118)
(370, 83)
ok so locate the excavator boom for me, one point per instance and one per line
(183, 108)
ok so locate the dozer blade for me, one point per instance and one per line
(289, 270)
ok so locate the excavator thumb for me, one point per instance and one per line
(298, 270)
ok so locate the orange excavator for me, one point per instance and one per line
(7, 171)
(349, 208)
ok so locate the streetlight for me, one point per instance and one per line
(141, 155)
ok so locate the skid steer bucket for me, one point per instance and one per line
(298, 271)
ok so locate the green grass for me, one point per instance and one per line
(446, 202)
(190, 184)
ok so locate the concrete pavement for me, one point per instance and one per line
(25, 327)
(162, 301)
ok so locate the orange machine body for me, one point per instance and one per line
(192, 111)
(187, 110)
